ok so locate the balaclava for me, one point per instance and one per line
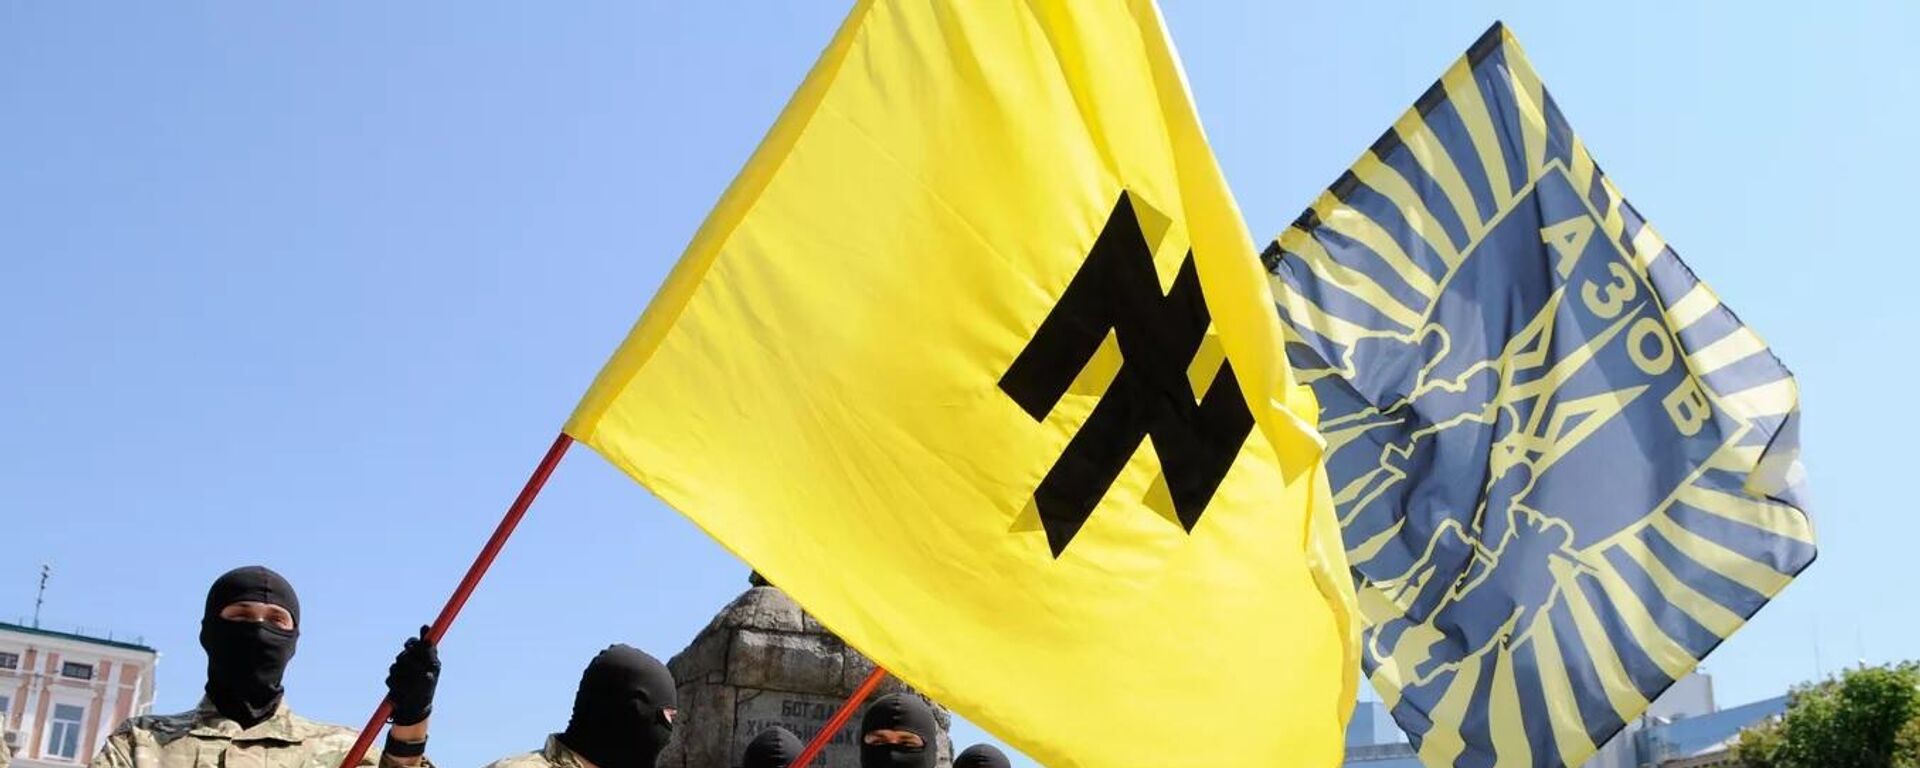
(246, 659)
(982, 756)
(775, 747)
(899, 712)
(619, 718)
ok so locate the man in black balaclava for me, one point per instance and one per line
(249, 629)
(898, 731)
(622, 716)
(982, 756)
(775, 747)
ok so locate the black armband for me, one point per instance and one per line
(398, 748)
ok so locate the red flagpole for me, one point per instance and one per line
(460, 593)
(839, 719)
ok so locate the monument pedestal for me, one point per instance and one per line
(764, 662)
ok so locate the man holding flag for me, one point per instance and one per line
(249, 630)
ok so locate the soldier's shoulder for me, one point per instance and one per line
(160, 728)
(524, 760)
(313, 730)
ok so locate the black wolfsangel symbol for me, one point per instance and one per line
(1117, 289)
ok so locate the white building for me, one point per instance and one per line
(61, 693)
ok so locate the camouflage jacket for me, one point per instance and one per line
(205, 739)
(555, 755)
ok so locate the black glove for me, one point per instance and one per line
(411, 679)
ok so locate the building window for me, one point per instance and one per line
(76, 671)
(6, 707)
(9, 661)
(63, 738)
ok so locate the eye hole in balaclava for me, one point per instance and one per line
(247, 659)
(897, 712)
(982, 756)
(775, 747)
(620, 715)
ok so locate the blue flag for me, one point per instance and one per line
(1565, 471)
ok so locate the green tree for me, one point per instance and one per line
(1867, 718)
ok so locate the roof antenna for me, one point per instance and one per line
(45, 571)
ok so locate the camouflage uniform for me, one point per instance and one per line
(204, 738)
(555, 755)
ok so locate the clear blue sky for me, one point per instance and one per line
(314, 285)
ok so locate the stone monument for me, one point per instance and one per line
(764, 662)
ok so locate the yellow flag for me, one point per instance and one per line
(976, 361)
